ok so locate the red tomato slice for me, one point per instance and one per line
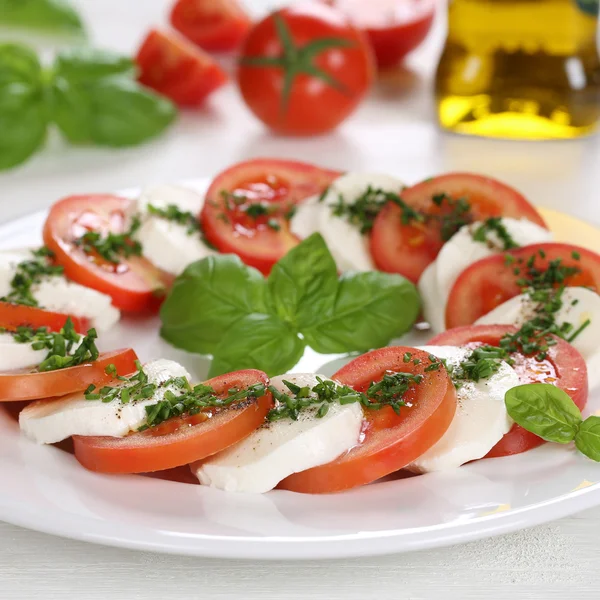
(134, 284)
(32, 385)
(394, 27)
(183, 440)
(408, 249)
(178, 69)
(565, 368)
(391, 441)
(19, 315)
(215, 25)
(276, 185)
(305, 69)
(489, 282)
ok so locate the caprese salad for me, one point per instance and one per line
(512, 310)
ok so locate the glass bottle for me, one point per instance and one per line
(524, 69)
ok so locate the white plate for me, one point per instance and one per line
(44, 488)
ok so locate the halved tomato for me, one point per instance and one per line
(490, 282)
(215, 25)
(19, 315)
(391, 441)
(134, 284)
(564, 367)
(33, 385)
(248, 207)
(409, 248)
(177, 69)
(182, 440)
(394, 27)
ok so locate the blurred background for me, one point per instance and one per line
(497, 70)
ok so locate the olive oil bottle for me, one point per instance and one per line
(525, 69)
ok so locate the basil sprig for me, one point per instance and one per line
(222, 307)
(91, 96)
(550, 413)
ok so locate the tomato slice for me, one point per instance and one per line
(408, 249)
(134, 284)
(215, 25)
(32, 385)
(391, 441)
(394, 27)
(565, 368)
(19, 315)
(177, 69)
(489, 282)
(183, 440)
(276, 185)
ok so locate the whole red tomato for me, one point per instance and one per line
(305, 69)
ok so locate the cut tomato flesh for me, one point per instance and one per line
(19, 315)
(391, 441)
(182, 440)
(134, 284)
(565, 368)
(259, 237)
(32, 385)
(409, 248)
(490, 282)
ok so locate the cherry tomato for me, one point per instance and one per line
(178, 69)
(305, 69)
(19, 315)
(490, 282)
(564, 368)
(391, 441)
(248, 206)
(215, 25)
(134, 284)
(182, 440)
(32, 385)
(394, 27)
(407, 248)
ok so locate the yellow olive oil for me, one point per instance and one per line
(525, 69)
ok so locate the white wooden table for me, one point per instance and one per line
(393, 132)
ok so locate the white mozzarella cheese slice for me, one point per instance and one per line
(14, 356)
(460, 252)
(480, 420)
(50, 421)
(578, 305)
(349, 247)
(281, 448)
(169, 245)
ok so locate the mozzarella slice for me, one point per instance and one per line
(278, 449)
(50, 421)
(169, 245)
(578, 305)
(480, 420)
(57, 294)
(349, 247)
(431, 299)
(462, 251)
(14, 355)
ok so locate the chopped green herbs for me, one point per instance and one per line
(482, 363)
(494, 225)
(112, 247)
(65, 349)
(28, 273)
(458, 216)
(173, 213)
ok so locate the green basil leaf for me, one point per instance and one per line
(262, 342)
(587, 439)
(85, 63)
(303, 284)
(113, 111)
(544, 410)
(23, 118)
(208, 298)
(45, 15)
(371, 309)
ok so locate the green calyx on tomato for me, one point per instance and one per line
(298, 60)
